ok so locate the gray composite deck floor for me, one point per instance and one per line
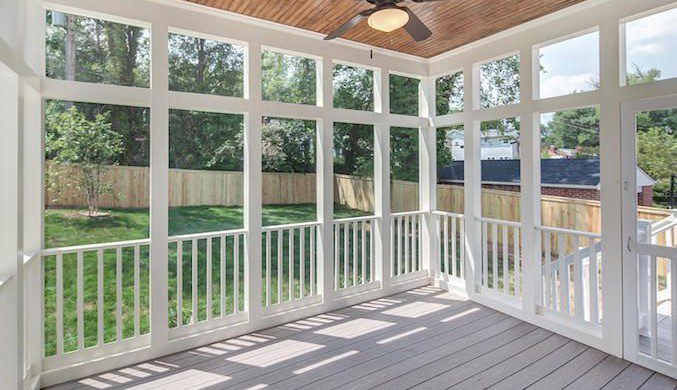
(421, 339)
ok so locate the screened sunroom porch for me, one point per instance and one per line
(208, 194)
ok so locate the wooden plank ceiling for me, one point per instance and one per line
(454, 23)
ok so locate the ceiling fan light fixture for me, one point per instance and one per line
(388, 19)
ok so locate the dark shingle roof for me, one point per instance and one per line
(575, 172)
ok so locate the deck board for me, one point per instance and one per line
(423, 339)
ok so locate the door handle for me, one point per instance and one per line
(629, 244)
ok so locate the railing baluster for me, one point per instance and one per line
(179, 283)
(209, 278)
(224, 276)
(407, 239)
(99, 297)
(355, 251)
(563, 275)
(193, 284)
(137, 290)
(280, 257)
(236, 273)
(80, 301)
(267, 267)
(118, 279)
(673, 304)
(302, 262)
(485, 258)
(346, 255)
(445, 234)
(548, 270)
(372, 252)
(337, 232)
(516, 261)
(578, 281)
(393, 246)
(414, 243)
(506, 284)
(290, 265)
(594, 294)
(461, 242)
(363, 249)
(399, 245)
(313, 259)
(653, 306)
(494, 257)
(59, 304)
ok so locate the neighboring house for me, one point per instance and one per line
(554, 152)
(493, 144)
(571, 178)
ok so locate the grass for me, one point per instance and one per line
(66, 227)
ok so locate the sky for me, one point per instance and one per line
(572, 64)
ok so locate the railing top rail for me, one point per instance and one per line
(498, 221)
(197, 236)
(407, 213)
(448, 214)
(93, 247)
(290, 226)
(663, 225)
(356, 219)
(568, 231)
(4, 279)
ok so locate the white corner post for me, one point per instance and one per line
(325, 186)
(472, 183)
(530, 191)
(428, 178)
(610, 183)
(252, 187)
(159, 188)
(11, 371)
(382, 180)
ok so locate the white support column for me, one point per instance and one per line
(428, 178)
(610, 193)
(325, 188)
(159, 187)
(382, 182)
(252, 188)
(530, 196)
(11, 371)
(472, 180)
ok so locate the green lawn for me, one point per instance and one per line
(65, 227)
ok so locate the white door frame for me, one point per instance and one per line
(631, 248)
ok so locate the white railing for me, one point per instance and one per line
(354, 252)
(451, 233)
(501, 257)
(205, 279)
(86, 313)
(289, 263)
(570, 273)
(405, 235)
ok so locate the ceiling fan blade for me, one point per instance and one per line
(416, 28)
(425, 1)
(349, 24)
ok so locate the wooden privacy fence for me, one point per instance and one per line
(130, 186)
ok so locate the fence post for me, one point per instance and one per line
(159, 188)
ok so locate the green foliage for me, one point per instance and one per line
(92, 145)
(639, 76)
(403, 95)
(354, 149)
(92, 50)
(288, 79)
(657, 156)
(444, 156)
(353, 88)
(404, 164)
(205, 66)
(573, 129)
(500, 82)
(206, 141)
(288, 145)
(449, 90)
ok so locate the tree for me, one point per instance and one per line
(403, 95)
(92, 145)
(500, 82)
(449, 90)
(573, 129)
(404, 164)
(657, 156)
(353, 88)
(288, 145)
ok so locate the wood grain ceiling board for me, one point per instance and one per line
(454, 23)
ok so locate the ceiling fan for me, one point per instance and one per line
(387, 16)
